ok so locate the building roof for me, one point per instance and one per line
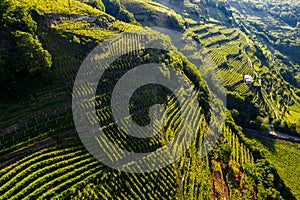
(248, 79)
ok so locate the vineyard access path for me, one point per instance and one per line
(271, 135)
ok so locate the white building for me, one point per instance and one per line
(248, 79)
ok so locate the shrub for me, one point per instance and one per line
(23, 58)
(99, 5)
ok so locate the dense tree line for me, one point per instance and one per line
(244, 111)
(96, 4)
(287, 127)
(22, 57)
(268, 184)
(114, 8)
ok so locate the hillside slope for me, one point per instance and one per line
(42, 156)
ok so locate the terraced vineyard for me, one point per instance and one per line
(70, 164)
(278, 46)
(42, 156)
(235, 55)
(37, 128)
(228, 49)
(67, 166)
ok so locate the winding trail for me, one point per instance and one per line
(271, 131)
(262, 90)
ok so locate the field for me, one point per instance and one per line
(42, 156)
(62, 6)
(276, 35)
(285, 157)
(60, 167)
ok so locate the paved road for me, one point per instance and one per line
(271, 135)
(284, 136)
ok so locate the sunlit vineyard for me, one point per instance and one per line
(69, 171)
(75, 164)
(228, 50)
(240, 152)
(235, 55)
(61, 6)
(43, 152)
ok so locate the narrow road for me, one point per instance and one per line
(283, 135)
(271, 135)
(263, 92)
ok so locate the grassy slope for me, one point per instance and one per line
(61, 6)
(260, 26)
(285, 156)
(150, 13)
(55, 40)
(100, 34)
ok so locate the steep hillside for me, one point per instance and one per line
(42, 156)
(276, 33)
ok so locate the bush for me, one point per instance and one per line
(98, 4)
(244, 111)
(23, 58)
(125, 16)
(112, 7)
(29, 57)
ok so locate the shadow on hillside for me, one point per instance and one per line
(267, 140)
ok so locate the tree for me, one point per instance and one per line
(30, 56)
(97, 4)
(23, 58)
(243, 109)
(13, 17)
(112, 7)
(225, 152)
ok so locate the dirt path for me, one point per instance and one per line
(220, 190)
